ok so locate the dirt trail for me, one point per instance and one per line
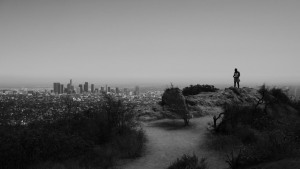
(168, 140)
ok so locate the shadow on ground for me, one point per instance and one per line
(172, 125)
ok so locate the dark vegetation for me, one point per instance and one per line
(267, 131)
(196, 89)
(174, 101)
(189, 162)
(93, 134)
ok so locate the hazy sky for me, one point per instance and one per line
(201, 41)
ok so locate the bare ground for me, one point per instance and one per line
(169, 140)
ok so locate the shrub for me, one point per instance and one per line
(296, 105)
(268, 130)
(174, 100)
(233, 161)
(271, 146)
(196, 89)
(111, 123)
(280, 96)
(238, 116)
(189, 162)
(222, 142)
(130, 144)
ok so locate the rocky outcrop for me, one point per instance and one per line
(212, 102)
(209, 103)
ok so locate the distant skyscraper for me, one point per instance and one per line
(117, 90)
(61, 88)
(102, 89)
(68, 87)
(56, 88)
(92, 88)
(86, 86)
(108, 89)
(80, 88)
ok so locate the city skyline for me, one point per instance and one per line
(149, 42)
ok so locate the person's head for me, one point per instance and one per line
(235, 69)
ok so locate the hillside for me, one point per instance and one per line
(208, 103)
(265, 134)
(211, 103)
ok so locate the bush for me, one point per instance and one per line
(233, 161)
(236, 116)
(189, 162)
(30, 145)
(280, 96)
(130, 144)
(110, 124)
(266, 131)
(174, 100)
(271, 146)
(196, 89)
(296, 105)
(222, 142)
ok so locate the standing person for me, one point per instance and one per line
(236, 77)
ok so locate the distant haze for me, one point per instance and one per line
(149, 41)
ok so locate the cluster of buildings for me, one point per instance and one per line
(59, 88)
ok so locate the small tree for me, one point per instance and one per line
(175, 101)
(119, 115)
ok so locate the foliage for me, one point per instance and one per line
(273, 96)
(272, 145)
(196, 89)
(233, 161)
(222, 142)
(71, 133)
(236, 116)
(174, 100)
(265, 133)
(189, 162)
(296, 105)
(280, 96)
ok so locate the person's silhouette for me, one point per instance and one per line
(236, 77)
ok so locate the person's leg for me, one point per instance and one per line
(238, 84)
(234, 82)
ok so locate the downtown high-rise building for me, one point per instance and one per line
(108, 89)
(56, 88)
(70, 87)
(80, 88)
(61, 88)
(92, 88)
(102, 90)
(86, 87)
(117, 90)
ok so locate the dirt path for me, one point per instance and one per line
(168, 140)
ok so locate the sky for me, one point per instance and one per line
(149, 41)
